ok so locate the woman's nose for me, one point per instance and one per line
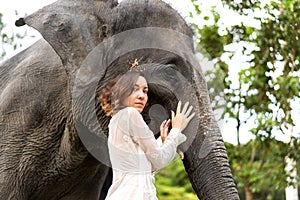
(141, 95)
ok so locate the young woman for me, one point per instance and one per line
(134, 152)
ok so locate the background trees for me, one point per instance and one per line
(257, 59)
(9, 41)
(172, 183)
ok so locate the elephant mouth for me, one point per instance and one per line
(161, 102)
(162, 95)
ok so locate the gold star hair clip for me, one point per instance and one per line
(134, 64)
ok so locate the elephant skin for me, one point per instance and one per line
(44, 104)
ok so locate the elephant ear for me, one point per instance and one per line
(72, 27)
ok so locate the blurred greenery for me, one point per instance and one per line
(172, 183)
(9, 41)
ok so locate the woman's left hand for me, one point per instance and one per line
(164, 129)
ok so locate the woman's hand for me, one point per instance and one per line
(182, 118)
(164, 129)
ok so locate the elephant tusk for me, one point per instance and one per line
(180, 153)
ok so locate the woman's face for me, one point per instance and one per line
(139, 97)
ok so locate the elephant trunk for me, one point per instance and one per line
(206, 160)
(210, 176)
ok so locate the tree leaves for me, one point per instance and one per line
(9, 40)
(172, 183)
(261, 93)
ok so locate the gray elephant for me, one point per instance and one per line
(52, 128)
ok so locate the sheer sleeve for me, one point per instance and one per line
(160, 155)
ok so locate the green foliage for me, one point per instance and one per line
(261, 92)
(9, 40)
(172, 183)
(259, 166)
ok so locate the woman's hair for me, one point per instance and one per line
(114, 93)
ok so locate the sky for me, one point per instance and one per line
(26, 7)
(23, 8)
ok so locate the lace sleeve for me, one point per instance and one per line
(159, 155)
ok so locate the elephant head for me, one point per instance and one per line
(53, 130)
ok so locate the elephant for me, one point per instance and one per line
(53, 131)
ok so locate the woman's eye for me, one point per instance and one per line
(146, 91)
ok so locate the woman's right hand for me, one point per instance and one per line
(181, 119)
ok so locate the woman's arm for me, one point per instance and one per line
(159, 155)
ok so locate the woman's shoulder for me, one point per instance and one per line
(126, 117)
(128, 112)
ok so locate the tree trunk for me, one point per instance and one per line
(248, 192)
(291, 192)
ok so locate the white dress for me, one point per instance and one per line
(135, 154)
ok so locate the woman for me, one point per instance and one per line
(134, 152)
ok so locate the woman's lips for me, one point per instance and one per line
(140, 104)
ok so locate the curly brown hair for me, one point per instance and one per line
(117, 90)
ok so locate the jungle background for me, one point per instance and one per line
(253, 49)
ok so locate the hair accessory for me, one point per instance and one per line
(134, 64)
